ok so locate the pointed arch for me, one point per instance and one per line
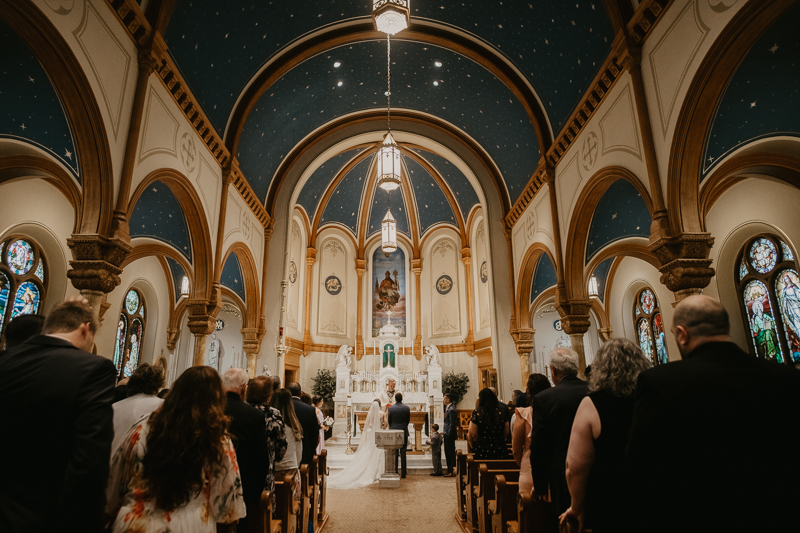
(525, 280)
(251, 287)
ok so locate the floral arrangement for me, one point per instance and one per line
(328, 422)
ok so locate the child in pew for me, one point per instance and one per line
(436, 450)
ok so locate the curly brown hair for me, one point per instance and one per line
(616, 368)
(185, 436)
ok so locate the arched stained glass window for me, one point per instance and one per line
(130, 334)
(650, 327)
(22, 287)
(769, 286)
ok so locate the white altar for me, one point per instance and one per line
(355, 391)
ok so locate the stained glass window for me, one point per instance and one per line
(742, 270)
(130, 334)
(761, 318)
(763, 255)
(650, 327)
(771, 299)
(22, 287)
(787, 287)
(788, 255)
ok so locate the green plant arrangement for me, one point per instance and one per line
(324, 384)
(456, 385)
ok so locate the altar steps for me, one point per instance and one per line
(417, 464)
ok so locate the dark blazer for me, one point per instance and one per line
(399, 417)
(713, 443)
(252, 452)
(56, 444)
(307, 416)
(450, 428)
(553, 412)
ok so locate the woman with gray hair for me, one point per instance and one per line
(595, 471)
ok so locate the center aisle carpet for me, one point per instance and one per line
(422, 504)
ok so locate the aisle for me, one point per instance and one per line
(422, 504)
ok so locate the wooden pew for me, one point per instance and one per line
(486, 493)
(503, 509)
(305, 499)
(322, 476)
(533, 516)
(286, 509)
(471, 487)
(461, 481)
(313, 486)
(265, 522)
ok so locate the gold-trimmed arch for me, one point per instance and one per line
(525, 280)
(253, 304)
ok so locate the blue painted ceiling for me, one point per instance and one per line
(159, 215)
(399, 208)
(763, 96)
(31, 111)
(468, 96)
(345, 202)
(320, 180)
(177, 276)
(462, 189)
(432, 204)
(232, 276)
(620, 213)
(544, 276)
(601, 272)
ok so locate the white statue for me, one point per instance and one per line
(265, 371)
(432, 353)
(213, 352)
(343, 358)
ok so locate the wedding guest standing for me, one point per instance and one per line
(177, 470)
(290, 464)
(317, 402)
(259, 392)
(57, 427)
(308, 419)
(22, 328)
(521, 438)
(488, 427)
(595, 468)
(436, 450)
(450, 434)
(142, 400)
(399, 418)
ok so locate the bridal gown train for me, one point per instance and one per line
(366, 465)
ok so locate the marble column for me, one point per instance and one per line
(361, 269)
(466, 258)
(416, 268)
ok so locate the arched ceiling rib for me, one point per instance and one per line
(344, 203)
(620, 213)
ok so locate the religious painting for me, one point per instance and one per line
(763, 255)
(388, 291)
(119, 347)
(787, 287)
(648, 301)
(660, 339)
(26, 301)
(444, 284)
(742, 270)
(333, 285)
(650, 327)
(20, 257)
(788, 255)
(136, 344)
(645, 339)
(40, 271)
(761, 319)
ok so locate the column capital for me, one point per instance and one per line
(685, 265)
(361, 267)
(416, 264)
(632, 60)
(311, 256)
(202, 316)
(97, 261)
(574, 316)
(466, 255)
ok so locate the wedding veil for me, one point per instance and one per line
(366, 465)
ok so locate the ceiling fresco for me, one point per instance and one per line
(763, 96)
(544, 276)
(177, 276)
(232, 276)
(31, 110)
(344, 203)
(601, 272)
(399, 208)
(467, 95)
(159, 215)
(316, 185)
(432, 205)
(462, 189)
(620, 213)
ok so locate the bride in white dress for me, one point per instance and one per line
(366, 465)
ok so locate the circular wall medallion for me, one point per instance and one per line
(444, 284)
(333, 285)
(292, 271)
(188, 152)
(590, 150)
(557, 325)
(220, 325)
(484, 272)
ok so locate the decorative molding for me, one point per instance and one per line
(131, 17)
(545, 310)
(485, 319)
(332, 327)
(231, 309)
(445, 326)
(442, 246)
(481, 233)
(334, 246)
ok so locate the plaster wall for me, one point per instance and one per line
(444, 316)
(535, 225)
(241, 225)
(295, 305)
(230, 339)
(546, 321)
(482, 309)
(335, 290)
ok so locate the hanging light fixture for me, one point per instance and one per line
(388, 157)
(391, 16)
(593, 288)
(388, 233)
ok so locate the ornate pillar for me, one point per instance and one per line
(311, 258)
(466, 258)
(416, 268)
(361, 269)
(251, 345)
(95, 267)
(605, 334)
(513, 321)
(685, 266)
(523, 340)
(575, 323)
(201, 321)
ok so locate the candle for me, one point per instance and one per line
(349, 401)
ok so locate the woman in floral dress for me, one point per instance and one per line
(176, 470)
(259, 392)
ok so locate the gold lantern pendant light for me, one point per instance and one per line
(388, 233)
(388, 158)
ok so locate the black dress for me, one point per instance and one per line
(491, 437)
(605, 509)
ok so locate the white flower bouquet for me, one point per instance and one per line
(328, 422)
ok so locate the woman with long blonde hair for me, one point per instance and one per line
(290, 464)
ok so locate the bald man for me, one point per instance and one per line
(714, 436)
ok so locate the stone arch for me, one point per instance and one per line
(251, 285)
(525, 280)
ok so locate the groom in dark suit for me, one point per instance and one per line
(399, 418)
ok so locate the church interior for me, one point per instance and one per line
(289, 188)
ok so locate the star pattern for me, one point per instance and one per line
(345, 201)
(544, 276)
(399, 208)
(316, 185)
(762, 98)
(459, 184)
(153, 217)
(432, 205)
(620, 213)
(31, 110)
(231, 276)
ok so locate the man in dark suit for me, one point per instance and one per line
(450, 433)
(57, 415)
(712, 445)
(399, 418)
(553, 412)
(250, 440)
(307, 416)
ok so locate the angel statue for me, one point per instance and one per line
(265, 371)
(343, 358)
(432, 355)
